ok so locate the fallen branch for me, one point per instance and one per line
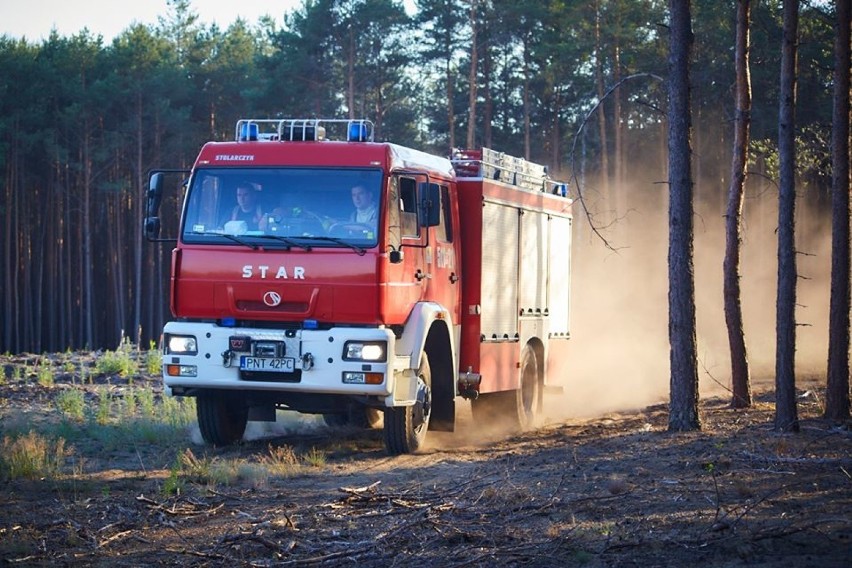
(842, 462)
(173, 511)
(113, 538)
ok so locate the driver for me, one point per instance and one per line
(365, 206)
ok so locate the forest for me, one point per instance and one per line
(576, 85)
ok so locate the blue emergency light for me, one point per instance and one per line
(357, 131)
(248, 132)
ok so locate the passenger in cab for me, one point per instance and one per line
(248, 207)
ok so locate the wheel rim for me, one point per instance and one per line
(529, 388)
(422, 409)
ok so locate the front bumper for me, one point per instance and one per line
(318, 361)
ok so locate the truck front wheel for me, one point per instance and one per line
(222, 417)
(406, 426)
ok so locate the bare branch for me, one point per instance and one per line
(589, 216)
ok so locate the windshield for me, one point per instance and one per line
(286, 207)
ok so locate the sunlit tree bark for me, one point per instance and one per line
(683, 404)
(733, 218)
(837, 391)
(786, 414)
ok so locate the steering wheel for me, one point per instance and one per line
(350, 228)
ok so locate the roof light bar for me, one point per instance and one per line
(304, 130)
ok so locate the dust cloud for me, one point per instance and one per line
(619, 350)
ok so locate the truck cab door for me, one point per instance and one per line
(443, 266)
(406, 274)
(429, 269)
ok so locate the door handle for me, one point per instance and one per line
(454, 277)
(419, 275)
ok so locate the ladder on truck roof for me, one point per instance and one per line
(490, 164)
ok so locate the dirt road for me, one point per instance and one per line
(615, 490)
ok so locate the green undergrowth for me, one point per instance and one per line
(189, 469)
(74, 414)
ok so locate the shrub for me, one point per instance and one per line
(315, 458)
(281, 460)
(104, 406)
(154, 360)
(72, 404)
(45, 374)
(119, 362)
(145, 398)
(31, 456)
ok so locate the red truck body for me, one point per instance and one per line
(457, 286)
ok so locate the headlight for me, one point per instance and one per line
(365, 351)
(181, 345)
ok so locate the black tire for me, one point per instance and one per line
(222, 417)
(514, 410)
(405, 427)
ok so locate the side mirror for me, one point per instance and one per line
(152, 228)
(155, 193)
(430, 205)
(151, 224)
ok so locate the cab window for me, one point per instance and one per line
(408, 207)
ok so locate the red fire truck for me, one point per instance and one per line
(319, 271)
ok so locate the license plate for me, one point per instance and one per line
(268, 364)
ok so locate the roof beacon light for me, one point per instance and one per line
(358, 131)
(248, 132)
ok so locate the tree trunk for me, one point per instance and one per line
(488, 107)
(526, 99)
(136, 210)
(474, 56)
(837, 390)
(599, 83)
(451, 117)
(88, 254)
(8, 260)
(786, 418)
(733, 219)
(617, 130)
(683, 406)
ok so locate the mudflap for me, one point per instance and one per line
(443, 414)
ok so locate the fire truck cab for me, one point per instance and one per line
(319, 271)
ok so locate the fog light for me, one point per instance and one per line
(182, 370)
(351, 378)
(354, 378)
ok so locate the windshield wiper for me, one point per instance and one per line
(237, 239)
(286, 240)
(341, 242)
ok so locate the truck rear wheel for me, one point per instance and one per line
(406, 426)
(515, 410)
(222, 417)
